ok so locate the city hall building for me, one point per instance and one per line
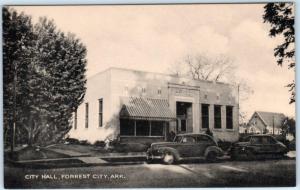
(140, 106)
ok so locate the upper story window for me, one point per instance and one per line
(229, 117)
(126, 90)
(205, 115)
(218, 117)
(159, 91)
(143, 90)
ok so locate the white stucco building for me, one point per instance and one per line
(145, 107)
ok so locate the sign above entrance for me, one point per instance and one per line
(184, 90)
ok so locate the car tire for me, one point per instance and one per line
(234, 156)
(211, 156)
(250, 155)
(169, 158)
(149, 161)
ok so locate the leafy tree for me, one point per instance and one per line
(289, 126)
(51, 83)
(18, 39)
(281, 18)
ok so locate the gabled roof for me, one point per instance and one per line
(271, 118)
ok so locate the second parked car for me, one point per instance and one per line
(185, 146)
(254, 146)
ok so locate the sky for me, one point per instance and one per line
(154, 37)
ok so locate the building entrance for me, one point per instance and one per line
(184, 115)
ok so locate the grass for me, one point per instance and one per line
(99, 150)
(31, 153)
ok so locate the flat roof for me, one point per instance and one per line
(156, 73)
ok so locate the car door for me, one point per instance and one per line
(202, 143)
(187, 146)
(269, 145)
(256, 144)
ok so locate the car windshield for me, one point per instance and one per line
(177, 139)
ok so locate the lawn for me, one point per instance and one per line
(93, 150)
(32, 153)
(74, 150)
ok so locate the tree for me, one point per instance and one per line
(281, 18)
(289, 126)
(52, 84)
(219, 68)
(203, 67)
(18, 38)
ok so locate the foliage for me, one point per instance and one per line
(281, 18)
(289, 126)
(50, 68)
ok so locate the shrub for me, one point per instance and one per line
(99, 143)
(84, 142)
(72, 141)
(130, 147)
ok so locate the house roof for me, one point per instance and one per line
(271, 118)
(146, 108)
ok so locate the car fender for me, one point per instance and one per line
(216, 149)
(169, 149)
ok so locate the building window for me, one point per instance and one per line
(183, 125)
(205, 115)
(218, 116)
(142, 128)
(127, 127)
(75, 119)
(143, 90)
(100, 112)
(86, 115)
(126, 90)
(229, 121)
(157, 128)
(159, 91)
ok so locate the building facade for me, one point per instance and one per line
(145, 107)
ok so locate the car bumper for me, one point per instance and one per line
(151, 155)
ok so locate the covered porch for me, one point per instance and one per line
(145, 120)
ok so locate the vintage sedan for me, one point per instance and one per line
(258, 146)
(185, 146)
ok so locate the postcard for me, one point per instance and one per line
(149, 95)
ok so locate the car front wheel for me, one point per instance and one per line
(168, 158)
(211, 156)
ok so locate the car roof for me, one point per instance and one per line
(192, 134)
(260, 135)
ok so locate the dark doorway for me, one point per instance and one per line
(184, 114)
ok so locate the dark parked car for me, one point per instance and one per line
(185, 146)
(255, 146)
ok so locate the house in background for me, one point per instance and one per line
(145, 107)
(266, 123)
